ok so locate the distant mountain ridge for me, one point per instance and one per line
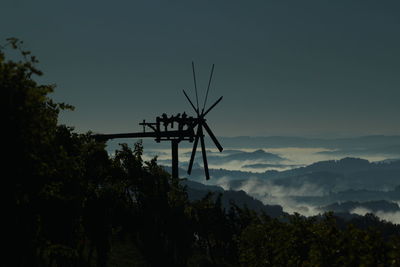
(346, 169)
(370, 141)
(341, 186)
(345, 166)
(333, 176)
(229, 156)
(267, 165)
(257, 155)
(197, 191)
(373, 206)
(352, 196)
(257, 142)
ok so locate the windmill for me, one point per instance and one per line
(189, 129)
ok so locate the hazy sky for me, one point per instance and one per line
(310, 68)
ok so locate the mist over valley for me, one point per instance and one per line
(303, 175)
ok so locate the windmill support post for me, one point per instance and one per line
(175, 160)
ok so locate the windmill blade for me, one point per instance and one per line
(190, 101)
(208, 87)
(195, 85)
(203, 150)
(208, 110)
(211, 134)
(196, 141)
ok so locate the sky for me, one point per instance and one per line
(294, 68)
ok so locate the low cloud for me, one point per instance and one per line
(254, 186)
(273, 194)
(393, 217)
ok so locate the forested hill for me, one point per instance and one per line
(197, 191)
(74, 205)
(328, 176)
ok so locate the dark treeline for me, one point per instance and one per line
(71, 204)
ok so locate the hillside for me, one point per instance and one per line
(196, 191)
